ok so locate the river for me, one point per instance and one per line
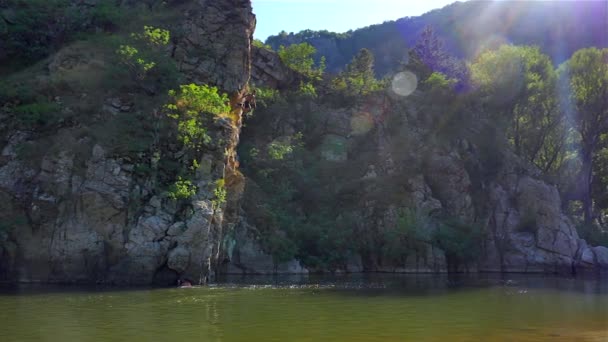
(349, 308)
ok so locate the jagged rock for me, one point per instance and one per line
(601, 256)
(221, 31)
(268, 70)
(179, 259)
(249, 258)
(90, 218)
(450, 183)
(176, 229)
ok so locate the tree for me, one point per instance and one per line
(187, 109)
(145, 54)
(431, 53)
(585, 82)
(520, 82)
(299, 57)
(358, 76)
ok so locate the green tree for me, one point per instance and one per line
(142, 55)
(358, 77)
(585, 85)
(429, 55)
(188, 106)
(520, 82)
(299, 57)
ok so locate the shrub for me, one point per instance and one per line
(593, 234)
(187, 106)
(460, 241)
(299, 57)
(219, 193)
(144, 53)
(38, 114)
(307, 90)
(408, 235)
(259, 44)
(182, 189)
(438, 81)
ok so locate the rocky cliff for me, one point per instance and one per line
(383, 154)
(82, 212)
(82, 201)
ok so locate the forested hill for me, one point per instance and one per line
(558, 27)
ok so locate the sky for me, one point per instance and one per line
(273, 16)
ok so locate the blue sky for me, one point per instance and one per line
(333, 15)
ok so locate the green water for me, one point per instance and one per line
(358, 308)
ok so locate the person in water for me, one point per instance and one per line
(249, 102)
(184, 282)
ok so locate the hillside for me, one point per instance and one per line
(558, 27)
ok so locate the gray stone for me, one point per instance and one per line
(601, 256)
(179, 259)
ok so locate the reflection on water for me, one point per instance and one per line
(353, 308)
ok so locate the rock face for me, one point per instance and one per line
(246, 257)
(216, 43)
(96, 221)
(384, 155)
(267, 70)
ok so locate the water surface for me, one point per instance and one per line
(354, 308)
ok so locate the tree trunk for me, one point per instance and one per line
(587, 178)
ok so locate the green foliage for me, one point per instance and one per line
(182, 189)
(429, 55)
(299, 57)
(584, 89)
(140, 61)
(307, 90)
(278, 150)
(281, 148)
(409, 235)
(38, 27)
(187, 108)
(520, 82)
(593, 234)
(219, 192)
(358, 79)
(153, 36)
(438, 82)
(266, 96)
(280, 247)
(37, 114)
(107, 14)
(460, 241)
(259, 44)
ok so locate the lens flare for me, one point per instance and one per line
(404, 83)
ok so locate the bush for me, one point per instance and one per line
(299, 57)
(182, 189)
(107, 15)
(438, 82)
(460, 241)
(38, 114)
(594, 235)
(408, 235)
(40, 26)
(145, 53)
(187, 106)
(219, 193)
